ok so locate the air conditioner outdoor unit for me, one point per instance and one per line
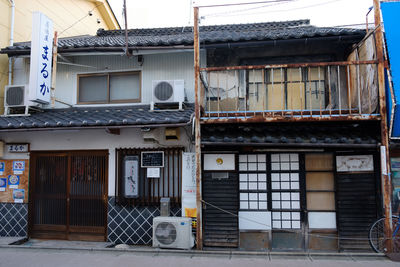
(168, 91)
(173, 232)
(16, 96)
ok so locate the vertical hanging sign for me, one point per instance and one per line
(41, 59)
(188, 185)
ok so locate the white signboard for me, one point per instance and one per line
(41, 59)
(188, 184)
(219, 162)
(355, 163)
(131, 176)
(153, 172)
(254, 220)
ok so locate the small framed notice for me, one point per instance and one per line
(17, 148)
(153, 172)
(152, 159)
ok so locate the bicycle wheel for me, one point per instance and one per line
(376, 235)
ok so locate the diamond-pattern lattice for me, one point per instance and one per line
(13, 219)
(132, 225)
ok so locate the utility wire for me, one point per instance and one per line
(278, 11)
(282, 229)
(76, 22)
(244, 3)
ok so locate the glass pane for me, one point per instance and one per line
(319, 162)
(124, 87)
(320, 201)
(319, 181)
(93, 89)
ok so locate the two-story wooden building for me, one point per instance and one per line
(289, 133)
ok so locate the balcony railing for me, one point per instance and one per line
(311, 91)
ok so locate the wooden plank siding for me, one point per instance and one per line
(220, 229)
(357, 209)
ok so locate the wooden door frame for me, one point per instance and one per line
(68, 153)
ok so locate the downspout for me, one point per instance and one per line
(10, 61)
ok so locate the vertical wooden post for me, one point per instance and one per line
(386, 187)
(54, 71)
(196, 46)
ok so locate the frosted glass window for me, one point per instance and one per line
(275, 185)
(276, 204)
(262, 166)
(262, 196)
(296, 215)
(275, 166)
(242, 166)
(285, 185)
(295, 185)
(322, 220)
(93, 89)
(262, 205)
(276, 224)
(285, 166)
(253, 196)
(262, 177)
(124, 87)
(253, 205)
(286, 224)
(294, 166)
(244, 196)
(252, 166)
(285, 176)
(275, 177)
(252, 186)
(243, 186)
(285, 204)
(244, 204)
(294, 176)
(284, 157)
(262, 186)
(295, 224)
(253, 177)
(286, 216)
(295, 205)
(252, 158)
(243, 177)
(242, 158)
(275, 158)
(294, 157)
(261, 158)
(276, 215)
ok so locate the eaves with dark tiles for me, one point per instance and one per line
(81, 117)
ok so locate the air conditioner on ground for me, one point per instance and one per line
(16, 96)
(168, 91)
(173, 232)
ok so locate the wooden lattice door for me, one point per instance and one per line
(68, 195)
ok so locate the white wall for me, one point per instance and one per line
(87, 140)
(161, 66)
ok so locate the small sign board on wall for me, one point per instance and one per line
(189, 185)
(14, 187)
(355, 163)
(152, 159)
(131, 177)
(219, 162)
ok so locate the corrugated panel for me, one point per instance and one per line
(220, 229)
(357, 209)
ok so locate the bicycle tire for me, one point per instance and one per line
(376, 235)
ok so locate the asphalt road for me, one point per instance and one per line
(16, 257)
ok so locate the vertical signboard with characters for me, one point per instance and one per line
(189, 185)
(14, 180)
(41, 59)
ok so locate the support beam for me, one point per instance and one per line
(196, 45)
(385, 167)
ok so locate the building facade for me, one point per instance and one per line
(290, 137)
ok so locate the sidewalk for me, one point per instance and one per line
(75, 253)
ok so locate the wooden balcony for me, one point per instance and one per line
(323, 91)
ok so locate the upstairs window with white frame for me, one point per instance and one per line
(106, 88)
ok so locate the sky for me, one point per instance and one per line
(171, 13)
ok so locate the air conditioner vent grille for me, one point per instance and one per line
(15, 96)
(165, 233)
(163, 91)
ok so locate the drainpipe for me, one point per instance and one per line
(11, 41)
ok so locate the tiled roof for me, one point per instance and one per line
(179, 36)
(97, 117)
(289, 134)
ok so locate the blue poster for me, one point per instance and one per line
(2, 166)
(3, 184)
(13, 181)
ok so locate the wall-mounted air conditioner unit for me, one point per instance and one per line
(16, 96)
(173, 232)
(168, 91)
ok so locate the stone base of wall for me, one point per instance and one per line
(13, 220)
(132, 225)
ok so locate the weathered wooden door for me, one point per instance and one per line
(68, 195)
